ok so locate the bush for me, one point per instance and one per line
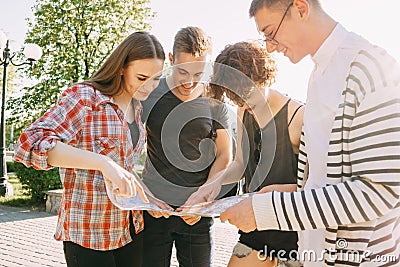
(142, 158)
(10, 166)
(35, 182)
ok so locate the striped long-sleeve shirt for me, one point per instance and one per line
(360, 206)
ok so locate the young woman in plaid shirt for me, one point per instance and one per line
(87, 135)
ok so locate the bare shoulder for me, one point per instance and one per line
(296, 115)
(295, 110)
(295, 107)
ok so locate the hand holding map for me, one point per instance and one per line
(204, 209)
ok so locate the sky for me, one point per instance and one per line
(227, 22)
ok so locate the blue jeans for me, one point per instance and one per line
(193, 243)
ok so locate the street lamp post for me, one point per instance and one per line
(32, 52)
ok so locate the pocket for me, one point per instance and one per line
(108, 146)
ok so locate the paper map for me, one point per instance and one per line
(204, 209)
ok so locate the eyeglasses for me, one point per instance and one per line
(257, 145)
(272, 40)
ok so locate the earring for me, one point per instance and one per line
(301, 15)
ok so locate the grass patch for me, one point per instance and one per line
(20, 197)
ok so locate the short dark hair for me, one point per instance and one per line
(192, 40)
(256, 5)
(240, 67)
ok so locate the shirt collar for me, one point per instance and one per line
(327, 50)
(102, 99)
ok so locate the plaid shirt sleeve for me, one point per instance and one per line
(62, 122)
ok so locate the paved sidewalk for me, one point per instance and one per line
(26, 239)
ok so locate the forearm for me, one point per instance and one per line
(341, 204)
(212, 187)
(233, 173)
(223, 155)
(220, 164)
(279, 188)
(66, 156)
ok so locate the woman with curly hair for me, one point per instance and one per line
(269, 130)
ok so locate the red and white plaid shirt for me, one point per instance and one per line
(89, 120)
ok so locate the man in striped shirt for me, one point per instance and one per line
(348, 199)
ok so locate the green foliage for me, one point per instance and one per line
(35, 182)
(13, 77)
(76, 37)
(142, 158)
(11, 166)
(20, 198)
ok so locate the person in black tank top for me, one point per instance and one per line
(282, 171)
(269, 130)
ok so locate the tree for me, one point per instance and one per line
(76, 37)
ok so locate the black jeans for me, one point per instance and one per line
(129, 255)
(193, 243)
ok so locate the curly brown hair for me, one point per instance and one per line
(239, 69)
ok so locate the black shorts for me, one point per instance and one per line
(270, 241)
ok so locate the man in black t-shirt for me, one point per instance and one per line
(187, 143)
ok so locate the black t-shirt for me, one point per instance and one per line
(179, 142)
